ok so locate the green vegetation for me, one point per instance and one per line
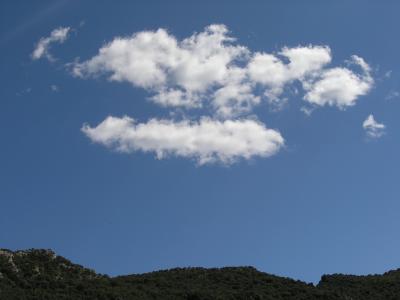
(40, 274)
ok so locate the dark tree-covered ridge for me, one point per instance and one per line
(41, 274)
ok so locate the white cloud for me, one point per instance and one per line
(206, 141)
(372, 128)
(176, 98)
(151, 59)
(58, 35)
(210, 69)
(234, 99)
(271, 71)
(357, 60)
(54, 88)
(339, 87)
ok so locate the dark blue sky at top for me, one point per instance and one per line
(329, 202)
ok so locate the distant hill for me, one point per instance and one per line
(41, 274)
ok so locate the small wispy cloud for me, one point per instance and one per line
(307, 110)
(388, 74)
(42, 47)
(373, 129)
(23, 92)
(392, 95)
(54, 88)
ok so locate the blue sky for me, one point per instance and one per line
(295, 174)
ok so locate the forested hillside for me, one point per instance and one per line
(41, 274)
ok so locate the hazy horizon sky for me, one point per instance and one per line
(148, 135)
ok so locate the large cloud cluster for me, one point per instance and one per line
(211, 70)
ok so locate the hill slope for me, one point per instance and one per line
(41, 274)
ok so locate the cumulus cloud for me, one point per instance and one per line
(210, 69)
(58, 35)
(234, 99)
(205, 141)
(270, 70)
(372, 128)
(179, 73)
(339, 87)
